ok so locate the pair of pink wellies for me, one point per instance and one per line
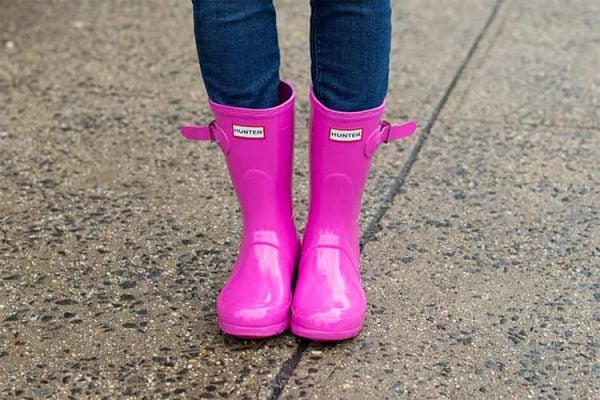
(328, 301)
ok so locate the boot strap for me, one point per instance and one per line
(388, 133)
(211, 132)
(384, 134)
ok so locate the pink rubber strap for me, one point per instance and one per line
(210, 132)
(197, 132)
(391, 132)
(388, 133)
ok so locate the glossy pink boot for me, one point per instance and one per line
(329, 301)
(258, 146)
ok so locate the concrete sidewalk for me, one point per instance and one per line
(481, 234)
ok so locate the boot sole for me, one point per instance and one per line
(254, 332)
(325, 336)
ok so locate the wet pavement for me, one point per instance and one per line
(481, 251)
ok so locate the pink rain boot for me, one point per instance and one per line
(329, 301)
(258, 146)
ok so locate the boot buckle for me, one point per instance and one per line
(211, 132)
(388, 133)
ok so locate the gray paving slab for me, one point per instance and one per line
(116, 235)
(427, 49)
(109, 271)
(483, 282)
(539, 68)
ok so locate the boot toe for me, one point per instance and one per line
(329, 302)
(256, 300)
(252, 315)
(252, 322)
(329, 325)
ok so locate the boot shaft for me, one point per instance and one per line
(339, 167)
(258, 145)
(260, 159)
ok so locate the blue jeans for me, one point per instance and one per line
(238, 52)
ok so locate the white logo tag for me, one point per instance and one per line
(341, 135)
(249, 132)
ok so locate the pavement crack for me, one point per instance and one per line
(374, 225)
(287, 369)
(290, 365)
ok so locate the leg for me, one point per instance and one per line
(238, 51)
(350, 51)
(254, 127)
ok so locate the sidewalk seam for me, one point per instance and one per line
(288, 367)
(373, 227)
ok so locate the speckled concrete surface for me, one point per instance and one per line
(483, 282)
(116, 235)
(423, 62)
(538, 67)
(110, 270)
(484, 279)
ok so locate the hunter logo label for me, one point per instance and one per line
(249, 132)
(343, 135)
